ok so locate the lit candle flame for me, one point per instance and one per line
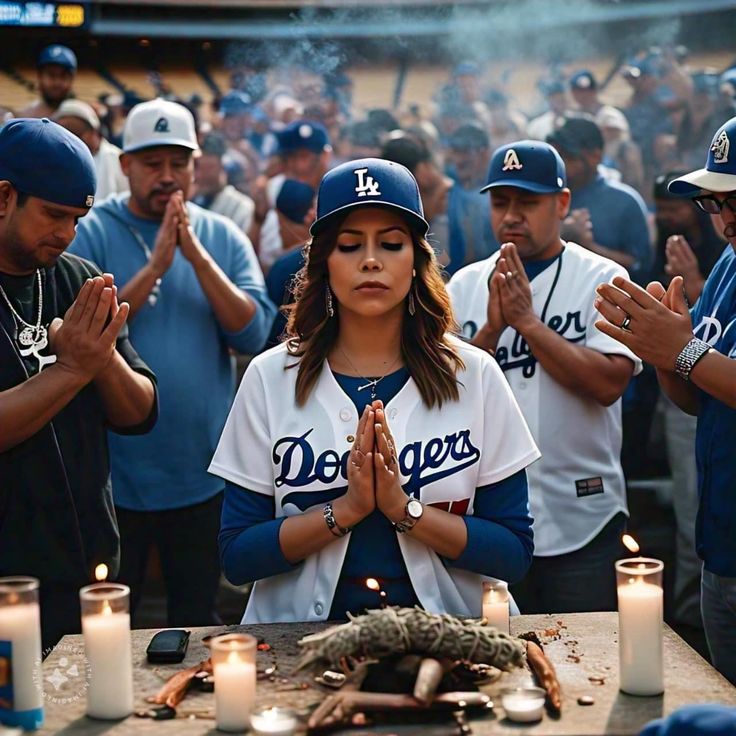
(106, 610)
(101, 572)
(630, 543)
(372, 584)
(233, 657)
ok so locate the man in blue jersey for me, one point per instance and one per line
(196, 292)
(695, 357)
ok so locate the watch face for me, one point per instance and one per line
(414, 508)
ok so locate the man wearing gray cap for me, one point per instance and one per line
(694, 353)
(82, 120)
(57, 67)
(67, 374)
(196, 292)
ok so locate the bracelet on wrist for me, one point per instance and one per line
(689, 356)
(335, 529)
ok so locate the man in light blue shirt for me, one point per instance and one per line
(196, 293)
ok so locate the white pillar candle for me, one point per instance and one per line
(110, 657)
(640, 612)
(235, 693)
(20, 654)
(495, 606)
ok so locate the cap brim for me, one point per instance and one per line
(530, 186)
(320, 224)
(182, 143)
(692, 183)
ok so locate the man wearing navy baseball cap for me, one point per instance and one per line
(67, 374)
(56, 68)
(531, 303)
(694, 353)
(196, 292)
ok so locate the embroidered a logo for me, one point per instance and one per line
(162, 126)
(720, 147)
(511, 161)
(89, 201)
(367, 186)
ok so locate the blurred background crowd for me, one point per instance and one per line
(630, 94)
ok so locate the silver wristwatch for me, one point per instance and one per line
(689, 356)
(414, 511)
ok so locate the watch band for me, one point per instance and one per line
(689, 356)
(409, 520)
(335, 529)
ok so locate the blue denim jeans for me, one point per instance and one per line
(719, 619)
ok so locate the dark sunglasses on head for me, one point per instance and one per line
(713, 206)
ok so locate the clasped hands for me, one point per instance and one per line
(84, 340)
(373, 468)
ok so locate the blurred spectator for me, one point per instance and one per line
(506, 124)
(305, 154)
(445, 235)
(466, 79)
(608, 218)
(359, 139)
(235, 121)
(57, 67)
(688, 246)
(81, 119)
(468, 156)
(619, 151)
(555, 93)
(212, 190)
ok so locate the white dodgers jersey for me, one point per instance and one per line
(578, 485)
(299, 454)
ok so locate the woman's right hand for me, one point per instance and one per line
(360, 498)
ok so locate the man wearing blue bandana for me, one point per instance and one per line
(694, 353)
(67, 374)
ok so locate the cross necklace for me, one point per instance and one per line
(372, 382)
(32, 339)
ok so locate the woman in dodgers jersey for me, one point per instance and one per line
(372, 443)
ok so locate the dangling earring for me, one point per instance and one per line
(328, 302)
(411, 306)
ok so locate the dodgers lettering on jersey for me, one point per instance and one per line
(578, 484)
(297, 465)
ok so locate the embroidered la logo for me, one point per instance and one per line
(720, 147)
(511, 161)
(162, 126)
(367, 185)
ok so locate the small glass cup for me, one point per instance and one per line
(273, 721)
(523, 704)
(640, 613)
(107, 644)
(495, 604)
(20, 652)
(234, 667)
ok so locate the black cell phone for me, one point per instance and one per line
(168, 646)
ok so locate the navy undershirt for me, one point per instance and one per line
(500, 540)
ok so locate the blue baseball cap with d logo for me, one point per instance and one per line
(719, 174)
(532, 165)
(368, 181)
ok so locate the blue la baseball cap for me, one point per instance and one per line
(43, 159)
(719, 174)
(532, 165)
(235, 102)
(368, 181)
(58, 54)
(583, 79)
(307, 134)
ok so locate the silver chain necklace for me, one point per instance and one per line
(31, 338)
(372, 382)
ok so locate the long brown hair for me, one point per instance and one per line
(432, 360)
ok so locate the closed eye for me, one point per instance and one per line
(347, 247)
(392, 246)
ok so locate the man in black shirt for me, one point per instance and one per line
(67, 374)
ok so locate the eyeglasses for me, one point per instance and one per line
(713, 206)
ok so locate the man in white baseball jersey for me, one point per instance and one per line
(532, 303)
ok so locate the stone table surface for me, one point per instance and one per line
(582, 646)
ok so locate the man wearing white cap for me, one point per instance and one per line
(695, 357)
(195, 291)
(81, 119)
